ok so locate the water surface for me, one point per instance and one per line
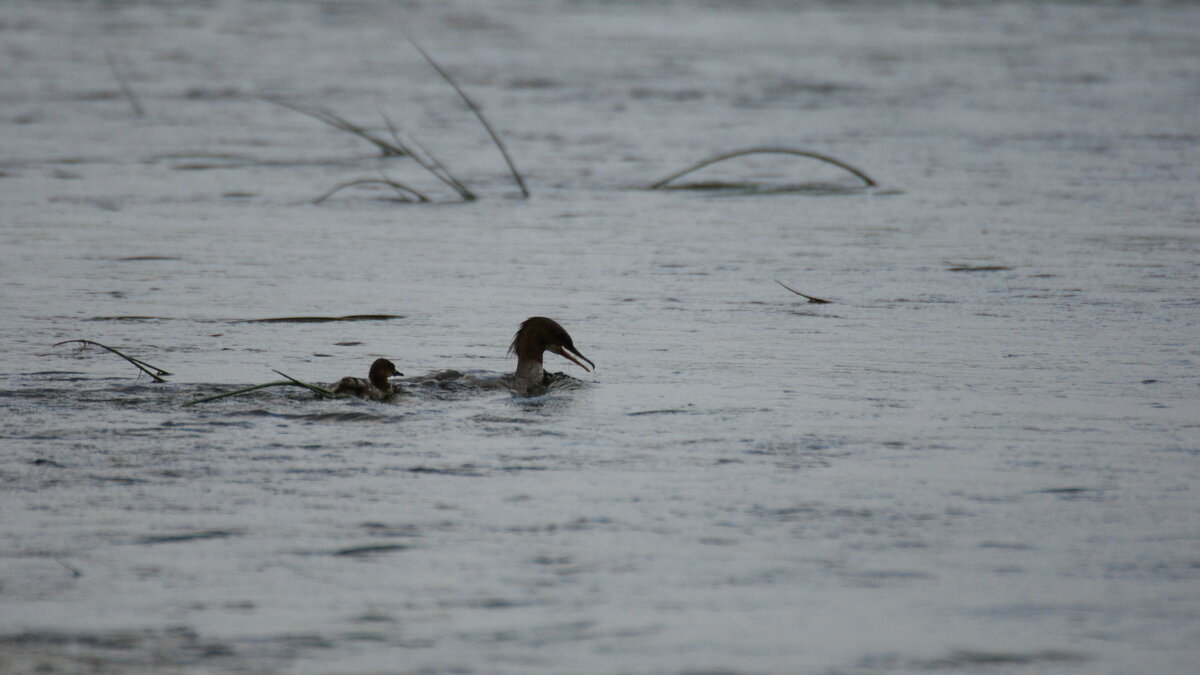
(980, 456)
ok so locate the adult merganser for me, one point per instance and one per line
(375, 387)
(536, 335)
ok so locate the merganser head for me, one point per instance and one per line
(381, 370)
(538, 334)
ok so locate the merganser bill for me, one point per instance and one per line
(537, 335)
(376, 387)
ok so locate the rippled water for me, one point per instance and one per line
(980, 456)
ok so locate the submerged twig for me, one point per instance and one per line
(765, 150)
(478, 114)
(123, 83)
(399, 187)
(153, 371)
(803, 295)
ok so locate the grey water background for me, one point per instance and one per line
(980, 457)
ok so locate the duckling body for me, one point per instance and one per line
(376, 386)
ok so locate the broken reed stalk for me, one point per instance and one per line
(399, 187)
(512, 167)
(867, 180)
(803, 295)
(153, 371)
(123, 83)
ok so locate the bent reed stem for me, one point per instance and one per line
(761, 150)
(153, 371)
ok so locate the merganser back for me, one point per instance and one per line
(375, 387)
(537, 335)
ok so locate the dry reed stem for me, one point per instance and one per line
(399, 187)
(206, 399)
(73, 570)
(431, 163)
(765, 150)
(512, 167)
(123, 83)
(396, 148)
(339, 122)
(153, 371)
(803, 295)
(320, 391)
(289, 382)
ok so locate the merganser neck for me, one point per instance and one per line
(530, 377)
